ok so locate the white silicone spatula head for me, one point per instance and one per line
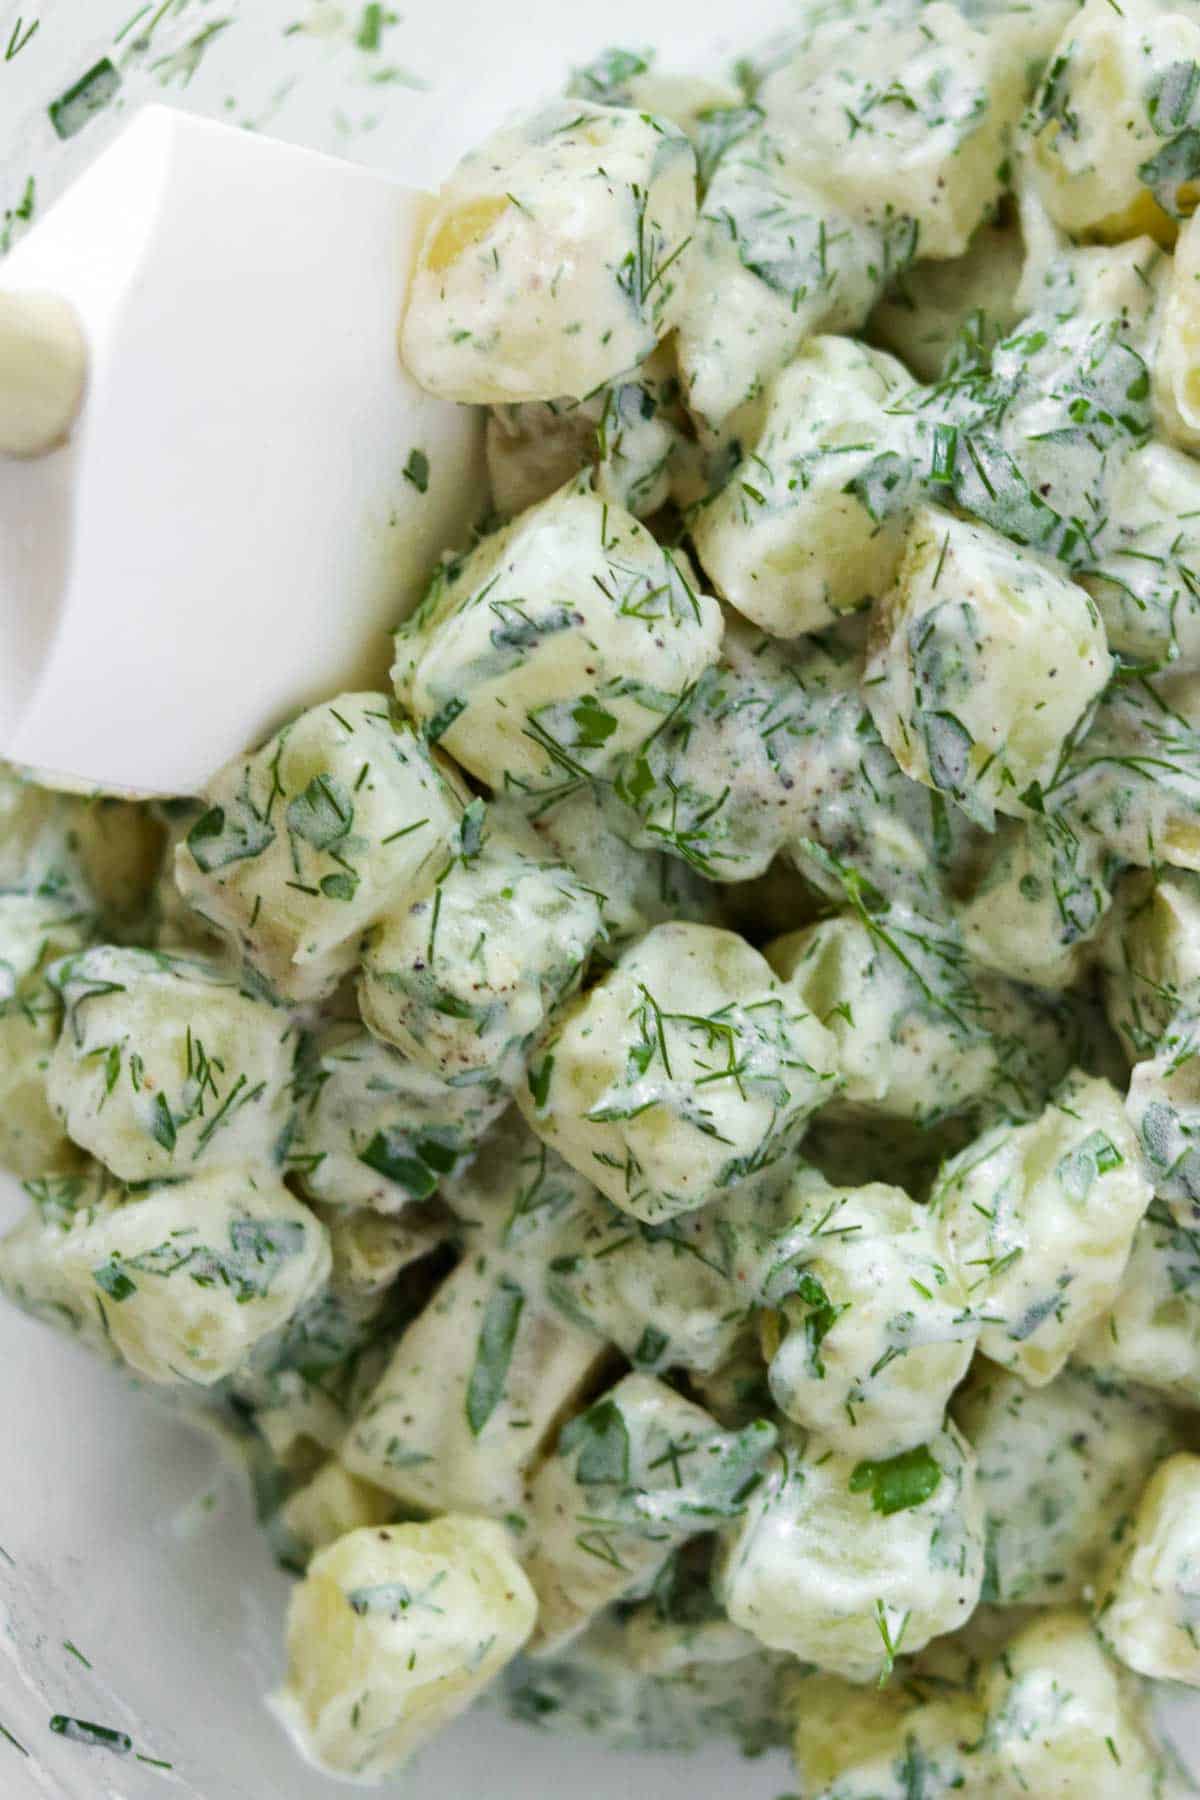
(251, 490)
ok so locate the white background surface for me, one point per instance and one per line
(127, 1535)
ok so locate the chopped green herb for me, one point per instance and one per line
(651, 1347)
(443, 719)
(19, 37)
(899, 1482)
(395, 1598)
(392, 1154)
(99, 1737)
(89, 96)
(539, 1080)
(369, 35)
(493, 1352)
(602, 1439)
(416, 469)
(323, 814)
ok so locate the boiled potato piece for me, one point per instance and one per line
(1151, 1333)
(1150, 957)
(333, 1503)
(309, 840)
(856, 1743)
(1063, 1723)
(1040, 903)
(632, 1478)
(879, 1333)
(983, 660)
(557, 646)
(920, 148)
(471, 1395)
(846, 1564)
(164, 1067)
(686, 1070)
(1164, 1108)
(537, 279)
(392, 1633)
(1060, 1470)
(185, 1278)
(35, 930)
(810, 523)
(372, 1128)
(1148, 1606)
(1177, 361)
(465, 978)
(1109, 128)
(1039, 1222)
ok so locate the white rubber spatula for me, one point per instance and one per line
(251, 489)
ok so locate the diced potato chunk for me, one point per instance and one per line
(775, 260)
(465, 978)
(34, 931)
(163, 1067)
(597, 1686)
(983, 660)
(1132, 781)
(878, 1335)
(478, 1383)
(1105, 128)
(392, 1633)
(632, 1478)
(1151, 1333)
(1062, 1723)
(1150, 957)
(697, 103)
(31, 1274)
(185, 1278)
(332, 1504)
(1177, 363)
(846, 1564)
(371, 1250)
(1148, 1607)
(1060, 1469)
(920, 1033)
(903, 118)
(853, 1743)
(1039, 1222)
(636, 888)
(1164, 1107)
(687, 1070)
(555, 647)
(775, 756)
(1040, 901)
(1143, 577)
(935, 306)
(375, 1130)
(810, 523)
(632, 433)
(674, 1296)
(309, 840)
(474, 1388)
(554, 257)
(100, 852)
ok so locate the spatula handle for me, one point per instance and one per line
(43, 369)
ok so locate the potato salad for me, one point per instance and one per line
(670, 1132)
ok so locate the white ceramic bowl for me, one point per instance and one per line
(136, 1591)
